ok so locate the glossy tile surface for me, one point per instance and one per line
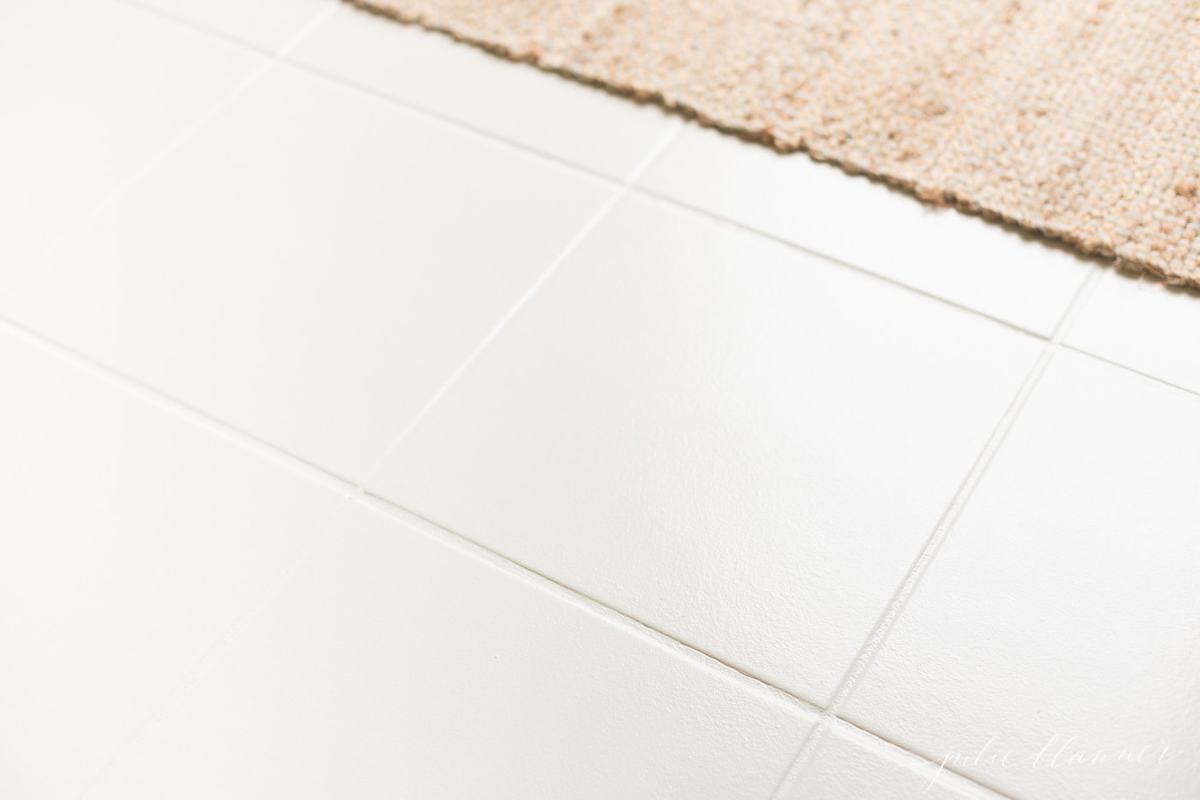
(583, 125)
(90, 90)
(1058, 631)
(951, 255)
(694, 448)
(394, 665)
(131, 541)
(1143, 325)
(298, 270)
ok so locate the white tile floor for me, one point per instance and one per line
(381, 419)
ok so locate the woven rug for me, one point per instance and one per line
(1079, 119)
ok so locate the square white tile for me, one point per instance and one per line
(310, 267)
(850, 764)
(396, 665)
(268, 24)
(948, 254)
(739, 445)
(518, 102)
(90, 91)
(1143, 324)
(1051, 649)
(130, 542)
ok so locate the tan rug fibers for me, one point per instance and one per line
(1076, 118)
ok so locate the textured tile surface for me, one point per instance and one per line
(694, 447)
(89, 91)
(963, 259)
(130, 542)
(1058, 631)
(395, 666)
(298, 270)
(1144, 325)
(517, 102)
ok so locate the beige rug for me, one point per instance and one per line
(1076, 118)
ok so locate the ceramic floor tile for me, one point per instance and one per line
(850, 764)
(1145, 325)
(299, 269)
(956, 256)
(549, 113)
(130, 541)
(1052, 646)
(739, 445)
(396, 665)
(263, 23)
(89, 91)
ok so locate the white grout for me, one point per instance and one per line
(306, 30)
(189, 413)
(1126, 368)
(290, 43)
(718, 218)
(597, 608)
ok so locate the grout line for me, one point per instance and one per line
(307, 29)
(533, 288)
(829, 721)
(1133, 370)
(542, 582)
(196, 27)
(933, 544)
(231, 38)
(657, 149)
(189, 413)
(804, 755)
(491, 335)
(713, 216)
(881, 743)
(441, 117)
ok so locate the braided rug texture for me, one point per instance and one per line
(1079, 119)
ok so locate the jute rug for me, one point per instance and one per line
(1076, 118)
